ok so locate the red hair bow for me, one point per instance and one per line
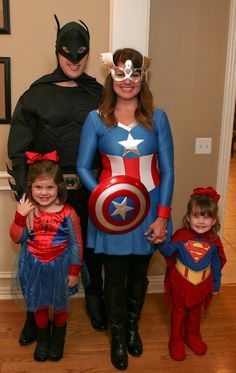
(208, 191)
(32, 157)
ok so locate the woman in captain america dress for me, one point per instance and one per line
(135, 140)
(195, 257)
(51, 254)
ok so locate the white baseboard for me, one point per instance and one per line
(155, 286)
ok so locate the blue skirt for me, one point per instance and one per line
(44, 284)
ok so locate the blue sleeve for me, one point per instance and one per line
(75, 239)
(165, 157)
(168, 248)
(216, 270)
(87, 150)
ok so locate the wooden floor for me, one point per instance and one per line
(87, 351)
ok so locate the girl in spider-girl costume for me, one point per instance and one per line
(194, 271)
(51, 255)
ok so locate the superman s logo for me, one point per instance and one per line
(197, 249)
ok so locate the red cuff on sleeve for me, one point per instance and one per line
(20, 219)
(164, 212)
(75, 270)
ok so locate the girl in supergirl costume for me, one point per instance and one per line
(194, 258)
(51, 254)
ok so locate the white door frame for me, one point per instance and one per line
(129, 24)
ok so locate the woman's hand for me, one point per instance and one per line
(157, 230)
(72, 280)
(25, 206)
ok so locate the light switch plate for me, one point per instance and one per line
(203, 145)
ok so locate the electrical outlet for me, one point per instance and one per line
(203, 145)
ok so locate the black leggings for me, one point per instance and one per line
(125, 269)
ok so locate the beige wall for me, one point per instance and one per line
(188, 41)
(31, 46)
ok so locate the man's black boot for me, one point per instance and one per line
(96, 310)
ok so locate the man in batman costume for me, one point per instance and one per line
(49, 116)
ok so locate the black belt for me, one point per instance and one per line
(73, 182)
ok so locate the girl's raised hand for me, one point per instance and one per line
(25, 206)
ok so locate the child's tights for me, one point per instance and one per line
(42, 317)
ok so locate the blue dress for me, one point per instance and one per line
(48, 254)
(135, 151)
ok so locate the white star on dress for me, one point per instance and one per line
(121, 208)
(131, 145)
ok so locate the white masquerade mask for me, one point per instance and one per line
(127, 71)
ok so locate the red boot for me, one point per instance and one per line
(176, 343)
(193, 337)
(196, 344)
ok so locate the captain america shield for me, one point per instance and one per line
(119, 204)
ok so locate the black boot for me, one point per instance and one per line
(135, 300)
(57, 343)
(95, 306)
(29, 332)
(116, 309)
(42, 347)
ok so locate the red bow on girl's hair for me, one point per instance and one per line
(32, 157)
(208, 191)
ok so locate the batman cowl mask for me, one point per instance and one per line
(72, 40)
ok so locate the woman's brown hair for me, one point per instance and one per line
(144, 110)
(48, 169)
